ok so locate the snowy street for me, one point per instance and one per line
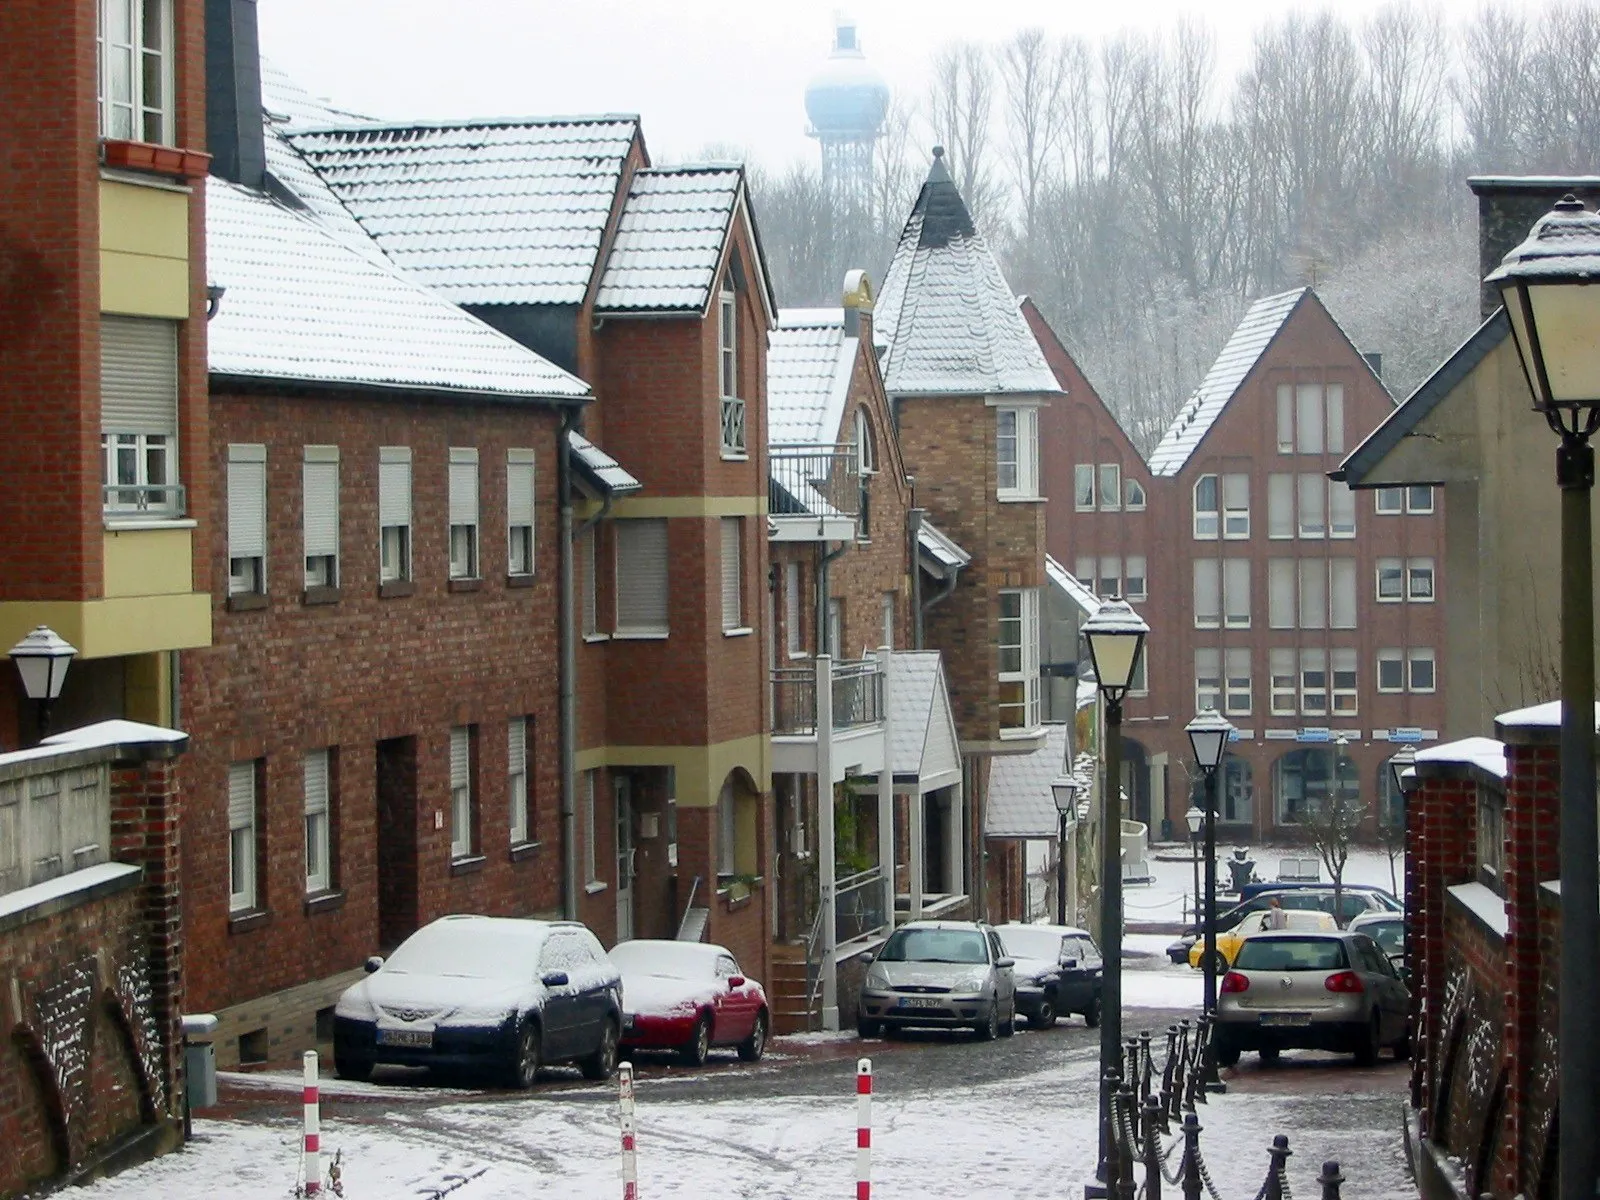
(951, 1118)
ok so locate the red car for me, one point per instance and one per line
(689, 997)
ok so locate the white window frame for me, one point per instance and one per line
(731, 530)
(242, 821)
(1283, 678)
(887, 605)
(1207, 679)
(835, 631)
(866, 447)
(643, 578)
(1418, 655)
(318, 788)
(1019, 663)
(1417, 571)
(1236, 593)
(520, 816)
(1237, 687)
(1311, 507)
(1388, 501)
(463, 540)
(732, 438)
(1343, 681)
(1021, 465)
(139, 418)
(1207, 521)
(1207, 593)
(1394, 569)
(462, 843)
(1133, 495)
(521, 506)
(1313, 661)
(127, 115)
(591, 857)
(394, 514)
(794, 626)
(1110, 479)
(1084, 481)
(247, 520)
(319, 516)
(1235, 492)
(1395, 658)
(1344, 604)
(1341, 510)
(1134, 572)
(1420, 509)
(1108, 580)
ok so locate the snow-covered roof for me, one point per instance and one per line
(304, 304)
(508, 211)
(809, 365)
(670, 239)
(290, 105)
(1069, 584)
(1238, 358)
(1539, 716)
(937, 545)
(605, 472)
(1483, 903)
(1485, 753)
(1021, 804)
(948, 318)
(922, 726)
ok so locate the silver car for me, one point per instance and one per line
(1312, 991)
(946, 974)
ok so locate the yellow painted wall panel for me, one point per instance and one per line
(111, 628)
(143, 285)
(148, 562)
(144, 220)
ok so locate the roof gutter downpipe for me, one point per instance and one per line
(822, 601)
(568, 671)
(916, 576)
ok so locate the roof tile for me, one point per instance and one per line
(670, 239)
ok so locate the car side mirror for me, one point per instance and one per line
(1005, 962)
(735, 981)
(373, 963)
(553, 979)
(1070, 964)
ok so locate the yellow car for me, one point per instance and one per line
(1228, 943)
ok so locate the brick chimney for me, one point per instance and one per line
(1508, 205)
(234, 133)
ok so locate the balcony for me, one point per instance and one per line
(847, 699)
(813, 492)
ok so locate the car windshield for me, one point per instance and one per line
(1025, 941)
(666, 959)
(1391, 935)
(465, 951)
(934, 945)
(1291, 954)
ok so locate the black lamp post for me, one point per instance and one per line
(1208, 738)
(1547, 284)
(42, 659)
(1064, 790)
(1116, 637)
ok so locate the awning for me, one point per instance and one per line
(937, 553)
(598, 470)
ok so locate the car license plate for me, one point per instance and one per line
(1286, 1018)
(921, 1002)
(420, 1038)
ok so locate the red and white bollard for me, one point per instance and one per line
(864, 1129)
(630, 1157)
(313, 1122)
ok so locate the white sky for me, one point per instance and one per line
(698, 71)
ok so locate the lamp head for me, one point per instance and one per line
(42, 659)
(1208, 737)
(1401, 769)
(1196, 819)
(1064, 791)
(1116, 637)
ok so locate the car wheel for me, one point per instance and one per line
(1219, 963)
(1227, 1053)
(1091, 1015)
(989, 1028)
(1367, 1050)
(1269, 1056)
(1045, 1017)
(603, 1062)
(349, 1066)
(754, 1046)
(1008, 1024)
(525, 1065)
(868, 1028)
(695, 1050)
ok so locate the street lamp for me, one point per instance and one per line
(1064, 790)
(42, 659)
(1196, 818)
(1116, 637)
(1402, 762)
(1555, 321)
(1208, 738)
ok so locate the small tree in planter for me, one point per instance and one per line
(1330, 826)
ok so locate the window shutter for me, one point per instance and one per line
(517, 745)
(732, 616)
(1207, 591)
(1342, 574)
(1308, 418)
(519, 487)
(1285, 419)
(1280, 506)
(642, 575)
(460, 763)
(1236, 591)
(138, 375)
(247, 501)
(1280, 593)
(241, 795)
(320, 479)
(1313, 594)
(463, 486)
(316, 782)
(394, 485)
(1334, 400)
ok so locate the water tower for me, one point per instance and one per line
(847, 100)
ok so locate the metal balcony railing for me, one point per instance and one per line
(857, 697)
(818, 480)
(144, 500)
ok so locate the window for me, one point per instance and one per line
(793, 625)
(589, 552)
(242, 837)
(1083, 487)
(732, 411)
(1333, 404)
(1133, 495)
(319, 490)
(1139, 685)
(1281, 593)
(1314, 682)
(1280, 506)
(866, 448)
(1285, 418)
(1236, 693)
(394, 513)
(1019, 659)
(247, 520)
(591, 859)
(461, 839)
(1391, 671)
(732, 575)
(1419, 499)
(1236, 506)
(1207, 593)
(1085, 573)
(1491, 831)
(1342, 593)
(1391, 580)
(1110, 583)
(519, 512)
(887, 601)
(1419, 580)
(1236, 593)
(1343, 662)
(1341, 510)
(319, 835)
(1016, 449)
(134, 45)
(1134, 581)
(641, 578)
(1282, 666)
(517, 780)
(1110, 486)
(727, 831)
(835, 626)
(1308, 418)
(1313, 494)
(1421, 670)
(139, 417)
(1205, 508)
(1207, 680)
(1387, 501)
(1313, 581)
(463, 512)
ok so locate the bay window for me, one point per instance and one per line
(134, 48)
(1016, 453)
(1018, 646)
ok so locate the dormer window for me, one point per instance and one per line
(732, 408)
(135, 49)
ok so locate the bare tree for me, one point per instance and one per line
(1330, 823)
(1490, 87)
(960, 110)
(1405, 96)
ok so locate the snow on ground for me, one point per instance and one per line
(1170, 898)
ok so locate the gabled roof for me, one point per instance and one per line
(938, 552)
(809, 365)
(305, 305)
(946, 314)
(922, 726)
(1367, 457)
(670, 240)
(1021, 804)
(508, 211)
(1238, 358)
(598, 469)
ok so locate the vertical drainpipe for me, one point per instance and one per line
(916, 516)
(568, 669)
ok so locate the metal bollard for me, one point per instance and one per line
(864, 1129)
(1152, 1149)
(1109, 1084)
(1278, 1168)
(630, 1150)
(1130, 1151)
(311, 1107)
(1197, 1067)
(1330, 1179)
(1169, 1094)
(1193, 1184)
(1148, 1064)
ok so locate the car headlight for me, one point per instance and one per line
(354, 1005)
(973, 981)
(877, 978)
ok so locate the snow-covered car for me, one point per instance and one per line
(945, 974)
(500, 994)
(1057, 970)
(689, 997)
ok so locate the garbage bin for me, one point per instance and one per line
(199, 1063)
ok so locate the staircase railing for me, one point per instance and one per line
(813, 963)
(688, 908)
